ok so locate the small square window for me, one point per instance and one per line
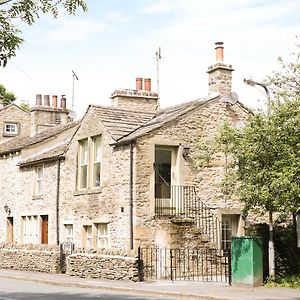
(11, 128)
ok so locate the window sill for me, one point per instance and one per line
(96, 190)
(37, 197)
(10, 134)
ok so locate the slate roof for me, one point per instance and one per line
(18, 143)
(164, 116)
(120, 122)
(47, 154)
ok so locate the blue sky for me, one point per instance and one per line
(115, 42)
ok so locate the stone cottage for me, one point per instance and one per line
(124, 176)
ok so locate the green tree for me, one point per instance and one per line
(27, 11)
(6, 97)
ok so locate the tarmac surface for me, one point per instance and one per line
(164, 289)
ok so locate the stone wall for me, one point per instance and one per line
(114, 265)
(39, 258)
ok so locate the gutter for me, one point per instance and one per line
(57, 198)
(131, 197)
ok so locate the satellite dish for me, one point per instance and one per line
(231, 98)
(72, 114)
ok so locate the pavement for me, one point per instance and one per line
(162, 289)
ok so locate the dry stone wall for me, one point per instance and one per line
(114, 265)
(38, 258)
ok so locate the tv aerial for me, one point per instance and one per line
(72, 113)
(232, 98)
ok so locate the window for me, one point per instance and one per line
(229, 228)
(69, 233)
(30, 230)
(89, 163)
(83, 164)
(39, 173)
(102, 236)
(11, 128)
(88, 236)
(96, 160)
(96, 236)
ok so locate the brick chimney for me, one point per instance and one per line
(140, 99)
(220, 74)
(46, 116)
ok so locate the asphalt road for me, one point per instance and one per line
(17, 289)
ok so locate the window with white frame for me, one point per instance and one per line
(96, 164)
(83, 164)
(89, 163)
(38, 187)
(102, 235)
(69, 233)
(11, 128)
(88, 239)
(30, 230)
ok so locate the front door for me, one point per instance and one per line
(44, 229)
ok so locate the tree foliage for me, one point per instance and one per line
(6, 97)
(27, 11)
(265, 155)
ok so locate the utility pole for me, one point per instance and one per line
(271, 232)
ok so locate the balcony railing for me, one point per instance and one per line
(183, 202)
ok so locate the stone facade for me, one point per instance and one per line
(13, 114)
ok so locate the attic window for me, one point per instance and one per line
(10, 129)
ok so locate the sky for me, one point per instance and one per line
(116, 41)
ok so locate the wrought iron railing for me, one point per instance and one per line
(203, 264)
(183, 202)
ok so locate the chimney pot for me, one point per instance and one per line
(139, 83)
(219, 51)
(54, 101)
(46, 100)
(147, 84)
(38, 99)
(63, 101)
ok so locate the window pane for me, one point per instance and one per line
(89, 236)
(84, 152)
(83, 177)
(97, 148)
(96, 174)
(102, 236)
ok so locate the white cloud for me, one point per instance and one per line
(117, 16)
(73, 30)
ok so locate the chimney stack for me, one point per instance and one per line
(46, 100)
(63, 101)
(220, 74)
(139, 83)
(38, 99)
(147, 84)
(54, 101)
(219, 51)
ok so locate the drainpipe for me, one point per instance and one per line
(57, 199)
(131, 196)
